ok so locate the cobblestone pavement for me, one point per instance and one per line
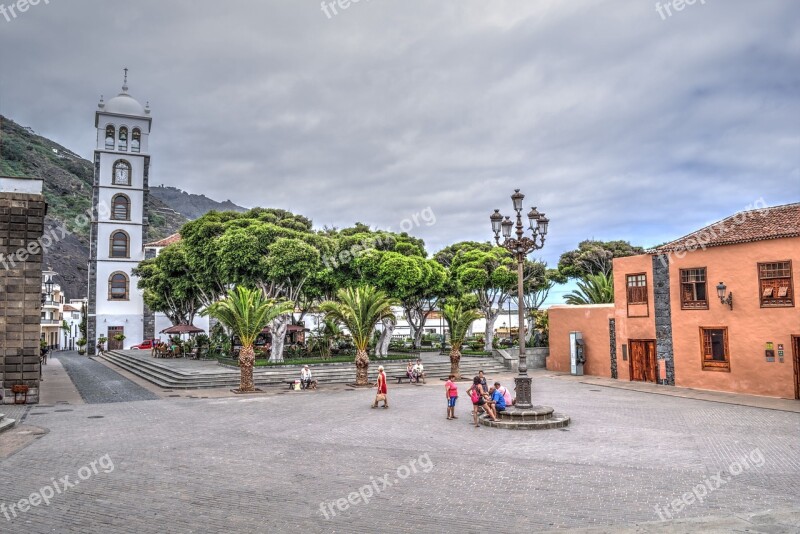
(268, 464)
(97, 383)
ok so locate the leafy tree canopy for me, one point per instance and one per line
(594, 257)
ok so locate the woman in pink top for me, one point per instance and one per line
(451, 394)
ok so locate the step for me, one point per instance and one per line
(170, 378)
(6, 424)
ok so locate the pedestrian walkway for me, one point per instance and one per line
(57, 387)
(98, 384)
(754, 401)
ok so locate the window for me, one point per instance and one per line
(118, 287)
(637, 288)
(136, 140)
(120, 208)
(110, 136)
(775, 284)
(123, 138)
(694, 289)
(122, 173)
(714, 343)
(119, 244)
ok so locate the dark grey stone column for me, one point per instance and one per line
(662, 308)
(612, 337)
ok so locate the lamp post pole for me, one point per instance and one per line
(520, 246)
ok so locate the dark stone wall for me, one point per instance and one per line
(21, 227)
(149, 316)
(663, 317)
(612, 339)
(91, 323)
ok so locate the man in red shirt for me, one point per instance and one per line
(382, 390)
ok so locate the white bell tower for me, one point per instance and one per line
(119, 222)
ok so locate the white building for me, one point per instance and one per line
(119, 222)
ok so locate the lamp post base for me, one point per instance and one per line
(523, 390)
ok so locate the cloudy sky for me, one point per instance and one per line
(618, 122)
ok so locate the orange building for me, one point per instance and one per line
(715, 309)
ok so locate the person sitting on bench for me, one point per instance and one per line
(306, 380)
(410, 371)
(419, 371)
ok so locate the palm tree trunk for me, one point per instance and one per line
(362, 366)
(247, 357)
(455, 360)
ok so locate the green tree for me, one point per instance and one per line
(594, 289)
(594, 257)
(459, 319)
(487, 272)
(83, 325)
(169, 286)
(359, 309)
(416, 282)
(246, 312)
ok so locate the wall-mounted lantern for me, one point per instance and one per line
(721, 290)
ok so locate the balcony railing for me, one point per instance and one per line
(51, 322)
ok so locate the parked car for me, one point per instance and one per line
(144, 345)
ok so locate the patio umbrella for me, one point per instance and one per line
(182, 329)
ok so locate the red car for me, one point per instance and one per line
(144, 345)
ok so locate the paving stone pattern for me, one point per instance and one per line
(97, 383)
(265, 464)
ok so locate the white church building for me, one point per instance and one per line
(118, 240)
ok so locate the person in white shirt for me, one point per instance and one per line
(419, 371)
(306, 379)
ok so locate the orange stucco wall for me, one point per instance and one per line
(642, 325)
(749, 326)
(592, 322)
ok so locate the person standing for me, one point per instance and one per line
(483, 381)
(381, 395)
(451, 393)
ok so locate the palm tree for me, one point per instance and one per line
(246, 312)
(359, 310)
(459, 319)
(593, 289)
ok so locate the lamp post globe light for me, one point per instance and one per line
(520, 246)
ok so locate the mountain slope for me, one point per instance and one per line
(68, 190)
(189, 205)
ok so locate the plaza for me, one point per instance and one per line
(210, 461)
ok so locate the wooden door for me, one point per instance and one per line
(643, 360)
(796, 358)
(112, 343)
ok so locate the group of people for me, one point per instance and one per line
(415, 372)
(490, 400)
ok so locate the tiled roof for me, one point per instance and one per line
(746, 226)
(69, 308)
(174, 238)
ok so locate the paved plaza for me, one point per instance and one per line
(285, 460)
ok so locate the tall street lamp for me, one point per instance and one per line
(520, 246)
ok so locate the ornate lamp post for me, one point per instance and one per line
(520, 246)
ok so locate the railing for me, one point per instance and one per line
(51, 322)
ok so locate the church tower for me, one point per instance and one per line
(119, 221)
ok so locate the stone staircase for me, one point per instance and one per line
(186, 374)
(5, 423)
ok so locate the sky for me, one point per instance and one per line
(620, 119)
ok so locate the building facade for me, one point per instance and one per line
(119, 222)
(52, 306)
(716, 309)
(22, 212)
